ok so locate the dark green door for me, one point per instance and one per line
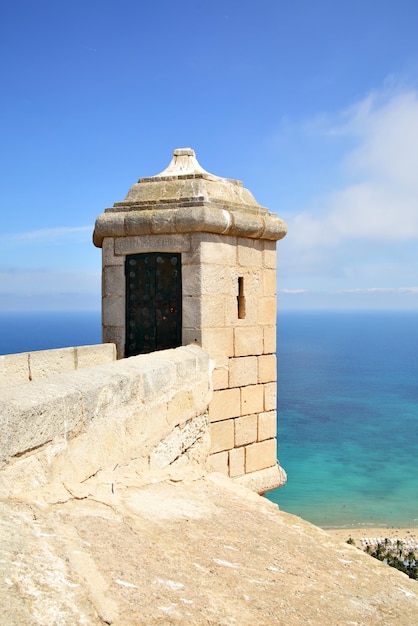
(153, 302)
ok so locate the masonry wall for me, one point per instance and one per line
(243, 409)
(65, 428)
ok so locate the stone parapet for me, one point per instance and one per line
(16, 369)
(151, 408)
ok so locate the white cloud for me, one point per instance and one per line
(380, 199)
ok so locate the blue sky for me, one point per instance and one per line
(313, 105)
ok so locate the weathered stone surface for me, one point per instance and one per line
(90, 356)
(236, 462)
(267, 425)
(188, 550)
(270, 396)
(243, 371)
(184, 199)
(260, 455)
(16, 369)
(266, 311)
(178, 441)
(248, 340)
(267, 368)
(245, 430)
(252, 399)
(222, 436)
(218, 462)
(121, 410)
(225, 404)
(269, 333)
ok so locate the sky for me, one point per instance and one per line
(313, 105)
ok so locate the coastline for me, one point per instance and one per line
(357, 534)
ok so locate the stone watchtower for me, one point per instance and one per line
(189, 257)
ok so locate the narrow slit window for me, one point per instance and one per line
(241, 298)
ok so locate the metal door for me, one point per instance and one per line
(153, 302)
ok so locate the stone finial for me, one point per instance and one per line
(184, 163)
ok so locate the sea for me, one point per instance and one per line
(347, 408)
(348, 417)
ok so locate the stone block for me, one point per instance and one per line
(35, 413)
(245, 430)
(217, 250)
(224, 405)
(219, 462)
(267, 425)
(89, 356)
(45, 363)
(14, 369)
(267, 368)
(270, 396)
(113, 311)
(248, 340)
(269, 254)
(163, 221)
(218, 341)
(158, 375)
(180, 408)
(191, 336)
(114, 280)
(220, 377)
(108, 253)
(202, 217)
(243, 371)
(249, 253)
(191, 280)
(192, 311)
(266, 311)
(215, 279)
(260, 455)
(137, 223)
(189, 360)
(269, 283)
(247, 224)
(252, 399)
(213, 311)
(222, 436)
(270, 334)
(202, 393)
(116, 335)
(236, 462)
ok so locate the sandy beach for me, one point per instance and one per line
(365, 535)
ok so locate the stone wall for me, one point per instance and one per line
(24, 367)
(65, 428)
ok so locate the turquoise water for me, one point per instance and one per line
(348, 417)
